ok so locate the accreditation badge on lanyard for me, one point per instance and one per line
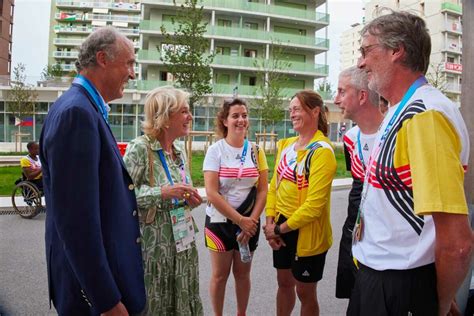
(357, 233)
(181, 218)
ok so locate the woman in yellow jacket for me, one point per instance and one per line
(298, 224)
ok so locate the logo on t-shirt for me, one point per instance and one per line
(305, 273)
(366, 147)
(238, 157)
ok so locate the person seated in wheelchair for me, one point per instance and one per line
(31, 166)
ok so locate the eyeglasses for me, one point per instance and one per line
(365, 50)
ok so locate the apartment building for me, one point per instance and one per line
(73, 20)
(240, 33)
(6, 30)
(444, 21)
(349, 46)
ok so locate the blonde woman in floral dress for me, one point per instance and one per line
(165, 196)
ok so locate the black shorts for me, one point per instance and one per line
(222, 237)
(304, 269)
(394, 292)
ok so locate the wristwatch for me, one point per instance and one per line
(276, 230)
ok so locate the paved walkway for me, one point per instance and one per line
(337, 184)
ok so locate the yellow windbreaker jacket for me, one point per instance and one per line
(307, 208)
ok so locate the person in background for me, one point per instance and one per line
(92, 234)
(412, 239)
(361, 105)
(236, 181)
(298, 224)
(165, 195)
(31, 165)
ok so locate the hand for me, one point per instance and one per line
(117, 310)
(194, 199)
(276, 243)
(268, 230)
(454, 309)
(243, 238)
(180, 191)
(248, 225)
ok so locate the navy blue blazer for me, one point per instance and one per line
(92, 234)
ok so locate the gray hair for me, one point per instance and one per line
(358, 79)
(103, 39)
(403, 29)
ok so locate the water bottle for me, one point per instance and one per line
(244, 249)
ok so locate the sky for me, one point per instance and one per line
(31, 23)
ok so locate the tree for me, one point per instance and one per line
(186, 55)
(270, 95)
(436, 76)
(325, 89)
(52, 72)
(22, 97)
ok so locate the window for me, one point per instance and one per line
(221, 50)
(251, 26)
(163, 75)
(250, 53)
(252, 81)
(450, 59)
(224, 23)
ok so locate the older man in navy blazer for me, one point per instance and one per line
(92, 234)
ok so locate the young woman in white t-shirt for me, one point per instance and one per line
(236, 181)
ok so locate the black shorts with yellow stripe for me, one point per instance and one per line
(222, 237)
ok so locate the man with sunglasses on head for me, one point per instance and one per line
(412, 238)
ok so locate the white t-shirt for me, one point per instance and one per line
(225, 159)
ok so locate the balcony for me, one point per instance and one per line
(73, 29)
(453, 67)
(148, 56)
(147, 85)
(452, 87)
(450, 7)
(68, 67)
(453, 27)
(68, 41)
(69, 17)
(112, 18)
(234, 62)
(65, 54)
(252, 8)
(120, 6)
(244, 34)
(453, 48)
(231, 89)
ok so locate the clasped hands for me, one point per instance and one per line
(248, 227)
(274, 241)
(182, 191)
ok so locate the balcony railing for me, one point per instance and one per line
(227, 61)
(95, 4)
(453, 87)
(453, 7)
(72, 29)
(455, 27)
(258, 8)
(68, 67)
(66, 16)
(68, 41)
(147, 85)
(113, 18)
(62, 54)
(244, 33)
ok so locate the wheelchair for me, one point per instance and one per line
(31, 195)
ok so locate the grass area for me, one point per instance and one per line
(8, 175)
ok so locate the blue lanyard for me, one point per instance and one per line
(167, 171)
(99, 101)
(359, 148)
(414, 86)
